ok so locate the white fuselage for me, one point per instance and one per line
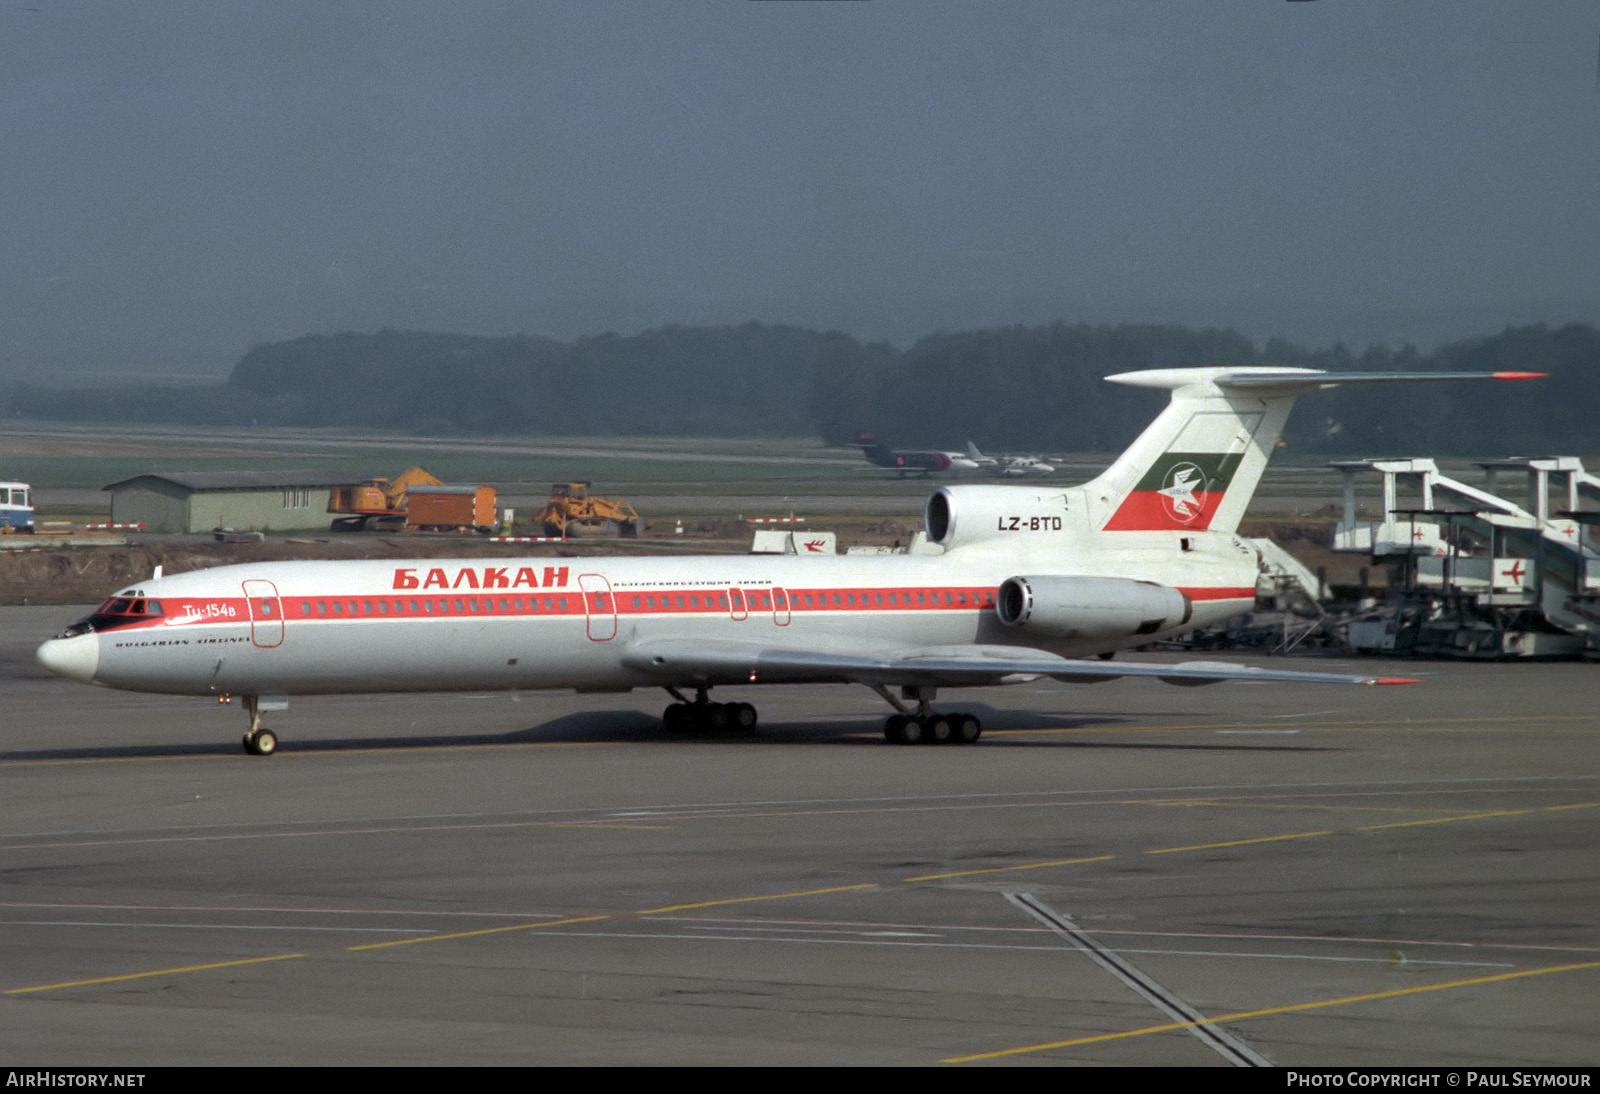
(426, 625)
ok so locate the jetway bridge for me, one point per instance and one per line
(1480, 574)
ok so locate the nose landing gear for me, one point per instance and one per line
(261, 741)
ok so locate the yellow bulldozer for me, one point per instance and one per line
(571, 510)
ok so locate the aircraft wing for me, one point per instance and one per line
(684, 661)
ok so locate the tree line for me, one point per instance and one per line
(1021, 388)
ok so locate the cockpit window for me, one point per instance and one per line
(119, 611)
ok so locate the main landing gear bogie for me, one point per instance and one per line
(702, 715)
(932, 729)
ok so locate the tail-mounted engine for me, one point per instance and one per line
(1089, 607)
(958, 515)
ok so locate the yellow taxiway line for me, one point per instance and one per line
(154, 972)
(1289, 1009)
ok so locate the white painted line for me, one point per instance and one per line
(1224, 1043)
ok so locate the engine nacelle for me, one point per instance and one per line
(1091, 608)
(958, 515)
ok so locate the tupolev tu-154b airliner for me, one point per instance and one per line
(1021, 583)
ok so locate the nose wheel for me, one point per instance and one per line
(260, 741)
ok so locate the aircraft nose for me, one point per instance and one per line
(76, 658)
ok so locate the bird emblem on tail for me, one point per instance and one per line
(1180, 494)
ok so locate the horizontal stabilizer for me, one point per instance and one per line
(1292, 379)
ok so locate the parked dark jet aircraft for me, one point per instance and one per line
(921, 463)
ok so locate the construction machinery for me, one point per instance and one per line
(571, 510)
(413, 501)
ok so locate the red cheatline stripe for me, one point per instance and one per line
(714, 602)
(1239, 593)
(1520, 375)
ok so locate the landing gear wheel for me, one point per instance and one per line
(715, 716)
(941, 729)
(913, 731)
(894, 729)
(968, 729)
(742, 715)
(263, 742)
(677, 718)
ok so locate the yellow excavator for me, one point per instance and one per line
(376, 503)
(571, 509)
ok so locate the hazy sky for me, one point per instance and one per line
(182, 180)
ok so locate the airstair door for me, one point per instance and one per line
(599, 607)
(266, 613)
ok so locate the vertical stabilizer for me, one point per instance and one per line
(1198, 464)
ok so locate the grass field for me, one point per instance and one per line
(689, 477)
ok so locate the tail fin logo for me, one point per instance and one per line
(1179, 494)
(1184, 493)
